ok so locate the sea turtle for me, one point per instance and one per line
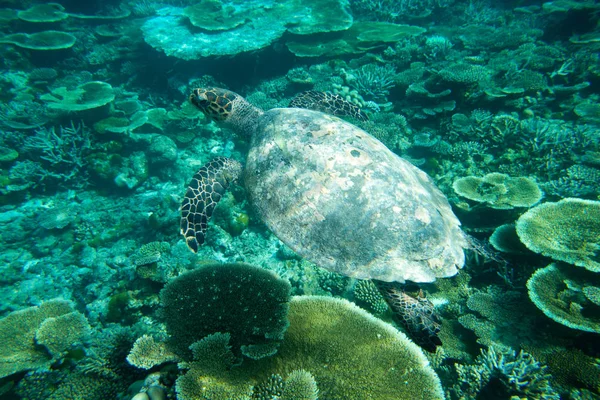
(335, 195)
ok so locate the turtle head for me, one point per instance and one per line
(226, 106)
(215, 103)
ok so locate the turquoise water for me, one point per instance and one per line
(101, 298)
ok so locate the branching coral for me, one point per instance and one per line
(62, 151)
(368, 296)
(373, 81)
(518, 375)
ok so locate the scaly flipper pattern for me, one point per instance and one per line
(203, 193)
(416, 314)
(329, 103)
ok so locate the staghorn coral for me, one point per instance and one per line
(62, 151)
(396, 10)
(373, 81)
(517, 374)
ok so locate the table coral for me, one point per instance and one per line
(36, 337)
(499, 190)
(47, 40)
(557, 290)
(239, 27)
(568, 231)
(85, 97)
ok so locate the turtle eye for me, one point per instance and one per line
(199, 101)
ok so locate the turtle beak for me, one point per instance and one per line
(199, 99)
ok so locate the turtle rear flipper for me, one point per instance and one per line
(416, 314)
(203, 193)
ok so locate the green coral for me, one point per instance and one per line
(36, 337)
(149, 253)
(592, 293)
(568, 231)
(588, 111)
(212, 15)
(557, 290)
(8, 155)
(300, 385)
(49, 12)
(494, 314)
(148, 352)
(505, 239)
(465, 74)
(331, 282)
(217, 28)
(85, 97)
(57, 217)
(359, 38)
(248, 302)
(499, 190)
(328, 337)
(367, 296)
(47, 40)
(269, 389)
(519, 376)
(59, 334)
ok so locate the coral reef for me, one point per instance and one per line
(565, 231)
(338, 336)
(505, 374)
(247, 302)
(499, 191)
(37, 337)
(557, 290)
(496, 101)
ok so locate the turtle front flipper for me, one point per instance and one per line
(416, 314)
(203, 193)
